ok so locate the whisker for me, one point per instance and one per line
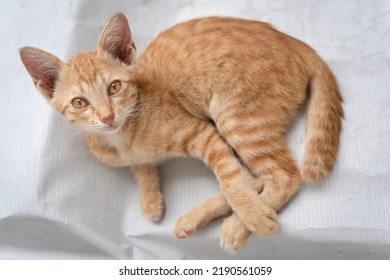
(81, 128)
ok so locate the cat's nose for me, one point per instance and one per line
(108, 119)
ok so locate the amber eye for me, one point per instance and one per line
(79, 103)
(114, 87)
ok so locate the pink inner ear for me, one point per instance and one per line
(46, 86)
(124, 53)
(44, 76)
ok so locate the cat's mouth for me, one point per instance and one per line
(111, 129)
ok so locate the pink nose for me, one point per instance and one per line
(109, 119)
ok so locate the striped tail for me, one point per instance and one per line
(324, 121)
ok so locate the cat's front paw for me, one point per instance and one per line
(262, 220)
(234, 234)
(186, 225)
(152, 206)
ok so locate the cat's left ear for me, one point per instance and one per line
(116, 40)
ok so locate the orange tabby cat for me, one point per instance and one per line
(219, 89)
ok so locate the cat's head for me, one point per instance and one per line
(96, 90)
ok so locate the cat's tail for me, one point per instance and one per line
(324, 121)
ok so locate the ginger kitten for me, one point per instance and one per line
(219, 89)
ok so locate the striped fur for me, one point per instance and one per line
(219, 89)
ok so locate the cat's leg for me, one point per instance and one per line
(279, 186)
(279, 172)
(206, 143)
(209, 210)
(255, 130)
(277, 190)
(151, 199)
(198, 217)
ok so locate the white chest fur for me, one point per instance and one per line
(131, 153)
(117, 141)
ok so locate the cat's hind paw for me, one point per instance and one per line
(185, 226)
(234, 234)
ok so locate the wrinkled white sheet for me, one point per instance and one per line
(57, 201)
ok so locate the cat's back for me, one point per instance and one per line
(200, 36)
(218, 50)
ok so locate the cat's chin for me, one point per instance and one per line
(110, 129)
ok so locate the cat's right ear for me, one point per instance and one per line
(44, 69)
(117, 41)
